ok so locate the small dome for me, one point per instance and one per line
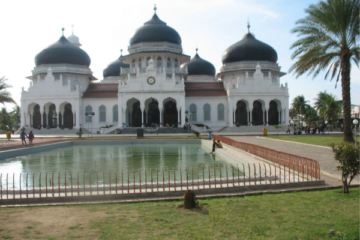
(113, 69)
(74, 40)
(199, 66)
(155, 30)
(249, 49)
(63, 51)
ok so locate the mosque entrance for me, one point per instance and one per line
(240, 114)
(136, 115)
(257, 113)
(273, 113)
(170, 114)
(52, 116)
(68, 116)
(36, 116)
(153, 113)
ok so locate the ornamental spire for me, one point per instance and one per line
(63, 31)
(248, 25)
(121, 52)
(155, 8)
(72, 29)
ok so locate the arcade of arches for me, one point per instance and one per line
(152, 114)
(52, 118)
(259, 115)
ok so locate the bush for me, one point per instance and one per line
(79, 133)
(196, 133)
(348, 156)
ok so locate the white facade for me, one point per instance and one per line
(155, 89)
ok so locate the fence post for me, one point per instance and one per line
(255, 174)
(104, 182)
(214, 175)
(209, 176)
(249, 174)
(243, 173)
(19, 184)
(237, 165)
(128, 181)
(140, 179)
(197, 172)
(52, 183)
(14, 185)
(227, 176)
(33, 185)
(134, 179)
(110, 182)
(116, 183)
(71, 183)
(157, 179)
(265, 172)
(97, 182)
(46, 194)
(151, 180)
(162, 169)
(174, 179)
(27, 186)
(180, 178)
(187, 178)
(122, 181)
(202, 166)
(168, 177)
(84, 180)
(232, 170)
(77, 178)
(145, 180)
(89, 182)
(65, 185)
(192, 178)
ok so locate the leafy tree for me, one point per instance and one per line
(330, 109)
(299, 104)
(348, 156)
(15, 115)
(329, 40)
(319, 101)
(310, 115)
(5, 119)
(5, 95)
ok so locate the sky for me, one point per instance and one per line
(104, 27)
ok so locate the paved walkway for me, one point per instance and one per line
(323, 155)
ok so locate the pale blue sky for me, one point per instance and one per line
(104, 27)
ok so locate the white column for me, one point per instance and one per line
(267, 116)
(285, 117)
(23, 116)
(279, 117)
(57, 109)
(230, 116)
(77, 114)
(130, 123)
(179, 120)
(250, 115)
(264, 117)
(161, 120)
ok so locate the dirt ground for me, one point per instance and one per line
(50, 223)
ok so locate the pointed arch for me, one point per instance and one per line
(88, 109)
(193, 111)
(115, 113)
(207, 112)
(102, 113)
(221, 112)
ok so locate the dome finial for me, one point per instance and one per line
(63, 31)
(155, 8)
(196, 50)
(121, 52)
(248, 25)
(72, 29)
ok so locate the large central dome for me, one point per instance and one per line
(155, 30)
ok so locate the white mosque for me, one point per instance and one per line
(155, 83)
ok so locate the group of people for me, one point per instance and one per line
(216, 144)
(187, 126)
(23, 137)
(309, 130)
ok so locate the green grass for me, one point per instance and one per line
(304, 215)
(321, 140)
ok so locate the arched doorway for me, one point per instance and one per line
(68, 116)
(273, 113)
(136, 115)
(240, 113)
(170, 114)
(52, 116)
(257, 113)
(153, 113)
(36, 116)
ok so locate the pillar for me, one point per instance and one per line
(179, 120)
(279, 117)
(230, 113)
(264, 120)
(267, 116)
(285, 118)
(57, 109)
(130, 117)
(160, 112)
(250, 116)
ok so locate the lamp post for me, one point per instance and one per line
(355, 122)
(89, 117)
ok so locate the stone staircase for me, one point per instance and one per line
(255, 129)
(133, 130)
(52, 131)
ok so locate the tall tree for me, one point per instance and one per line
(4, 119)
(329, 40)
(330, 109)
(319, 101)
(15, 115)
(5, 96)
(299, 104)
(310, 115)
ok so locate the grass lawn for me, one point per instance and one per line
(304, 215)
(321, 140)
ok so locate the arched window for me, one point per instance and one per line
(88, 110)
(147, 61)
(158, 63)
(176, 63)
(133, 65)
(207, 111)
(193, 113)
(168, 63)
(115, 113)
(102, 113)
(139, 63)
(221, 112)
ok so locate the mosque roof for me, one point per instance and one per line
(199, 66)
(108, 90)
(200, 89)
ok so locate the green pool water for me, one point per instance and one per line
(121, 163)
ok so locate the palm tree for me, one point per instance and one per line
(15, 115)
(331, 109)
(299, 104)
(329, 41)
(5, 96)
(4, 119)
(319, 101)
(310, 115)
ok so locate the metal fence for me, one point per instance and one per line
(303, 165)
(87, 183)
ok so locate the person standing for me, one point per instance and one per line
(8, 135)
(157, 129)
(213, 147)
(210, 136)
(23, 137)
(288, 129)
(31, 137)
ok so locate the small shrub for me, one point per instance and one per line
(348, 156)
(79, 133)
(190, 200)
(196, 133)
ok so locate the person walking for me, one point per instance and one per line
(210, 136)
(31, 137)
(23, 137)
(288, 129)
(8, 135)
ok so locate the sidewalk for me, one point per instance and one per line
(323, 155)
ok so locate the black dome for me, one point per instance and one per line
(113, 69)
(155, 30)
(63, 51)
(249, 49)
(199, 66)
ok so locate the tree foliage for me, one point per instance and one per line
(329, 41)
(348, 156)
(330, 108)
(299, 104)
(5, 95)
